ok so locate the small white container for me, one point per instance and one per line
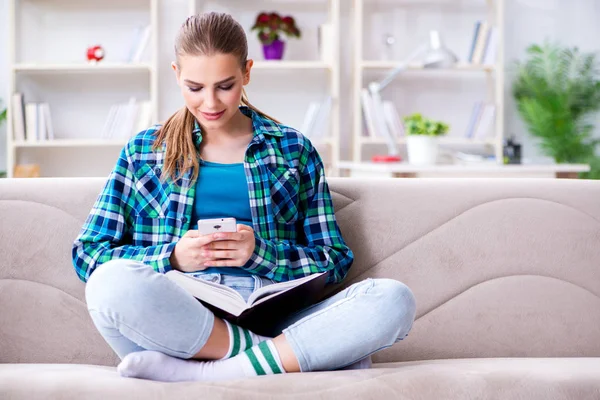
(422, 149)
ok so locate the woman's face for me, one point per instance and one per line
(212, 87)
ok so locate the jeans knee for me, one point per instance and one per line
(115, 282)
(398, 306)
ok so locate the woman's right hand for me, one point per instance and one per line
(187, 255)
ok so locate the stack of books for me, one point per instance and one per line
(127, 119)
(484, 44)
(378, 120)
(32, 122)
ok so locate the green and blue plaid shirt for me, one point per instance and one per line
(138, 216)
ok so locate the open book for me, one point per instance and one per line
(265, 306)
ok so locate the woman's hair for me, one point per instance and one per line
(204, 34)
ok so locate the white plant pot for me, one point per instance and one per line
(422, 150)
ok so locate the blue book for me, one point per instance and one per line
(474, 41)
(475, 114)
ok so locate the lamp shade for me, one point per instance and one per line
(437, 55)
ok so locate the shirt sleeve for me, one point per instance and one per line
(323, 248)
(106, 233)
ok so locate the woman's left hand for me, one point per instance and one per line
(230, 249)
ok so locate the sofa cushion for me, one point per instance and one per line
(502, 378)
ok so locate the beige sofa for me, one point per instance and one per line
(506, 274)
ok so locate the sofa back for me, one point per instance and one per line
(500, 268)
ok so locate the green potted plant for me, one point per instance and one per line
(2, 119)
(421, 141)
(270, 27)
(556, 91)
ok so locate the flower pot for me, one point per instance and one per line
(274, 51)
(422, 149)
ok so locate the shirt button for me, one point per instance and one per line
(184, 220)
(215, 279)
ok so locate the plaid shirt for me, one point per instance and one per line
(138, 216)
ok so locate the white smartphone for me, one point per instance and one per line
(208, 226)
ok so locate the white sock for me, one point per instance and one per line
(262, 359)
(241, 339)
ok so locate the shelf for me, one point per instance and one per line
(81, 68)
(442, 141)
(276, 64)
(73, 143)
(460, 67)
(485, 167)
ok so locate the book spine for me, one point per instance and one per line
(32, 125)
(481, 40)
(474, 41)
(18, 111)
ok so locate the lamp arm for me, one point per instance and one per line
(379, 86)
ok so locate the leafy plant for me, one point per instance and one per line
(557, 90)
(416, 124)
(2, 114)
(271, 25)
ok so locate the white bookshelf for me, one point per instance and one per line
(47, 63)
(46, 54)
(315, 65)
(71, 143)
(81, 68)
(274, 85)
(443, 94)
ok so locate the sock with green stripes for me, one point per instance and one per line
(241, 339)
(261, 359)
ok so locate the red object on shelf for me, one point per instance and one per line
(385, 159)
(95, 53)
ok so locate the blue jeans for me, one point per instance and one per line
(135, 308)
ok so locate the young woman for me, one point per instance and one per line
(221, 157)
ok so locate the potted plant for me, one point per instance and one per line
(2, 119)
(421, 140)
(270, 27)
(557, 90)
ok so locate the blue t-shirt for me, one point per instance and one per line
(222, 192)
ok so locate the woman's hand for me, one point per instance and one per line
(230, 249)
(187, 255)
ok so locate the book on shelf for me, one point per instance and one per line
(126, 119)
(317, 119)
(374, 116)
(38, 122)
(481, 122)
(482, 50)
(486, 122)
(49, 128)
(474, 41)
(474, 119)
(19, 123)
(139, 43)
(264, 306)
(32, 122)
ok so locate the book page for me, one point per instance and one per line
(213, 293)
(267, 291)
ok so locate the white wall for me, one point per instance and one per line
(3, 76)
(573, 22)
